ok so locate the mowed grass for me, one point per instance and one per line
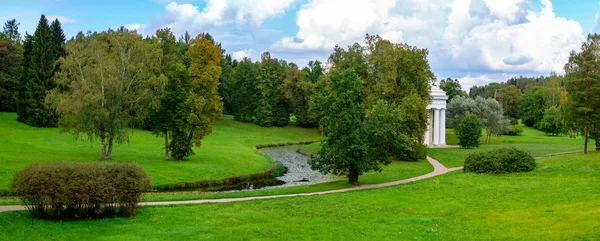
(560, 200)
(228, 151)
(531, 140)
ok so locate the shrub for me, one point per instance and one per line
(64, 190)
(514, 130)
(469, 132)
(502, 160)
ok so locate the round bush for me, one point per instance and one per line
(64, 190)
(469, 132)
(503, 160)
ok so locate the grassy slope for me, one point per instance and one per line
(226, 152)
(531, 140)
(558, 201)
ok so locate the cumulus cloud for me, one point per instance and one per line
(219, 13)
(61, 19)
(239, 55)
(485, 35)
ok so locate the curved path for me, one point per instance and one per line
(438, 169)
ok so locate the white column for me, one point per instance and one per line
(426, 139)
(443, 127)
(436, 127)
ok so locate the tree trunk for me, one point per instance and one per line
(166, 134)
(598, 144)
(353, 177)
(110, 145)
(585, 136)
(103, 140)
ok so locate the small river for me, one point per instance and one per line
(298, 170)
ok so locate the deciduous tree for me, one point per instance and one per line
(204, 100)
(105, 79)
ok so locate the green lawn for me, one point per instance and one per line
(535, 142)
(558, 201)
(228, 151)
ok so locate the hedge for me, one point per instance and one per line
(502, 160)
(65, 190)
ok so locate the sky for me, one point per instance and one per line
(475, 41)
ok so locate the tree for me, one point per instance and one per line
(105, 80)
(299, 90)
(550, 124)
(22, 98)
(509, 98)
(313, 71)
(488, 111)
(271, 109)
(10, 61)
(582, 82)
(243, 96)
(531, 107)
(170, 116)
(46, 49)
(353, 144)
(452, 88)
(225, 83)
(204, 100)
(11, 30)
(469, 132)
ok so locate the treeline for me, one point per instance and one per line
(555, 104)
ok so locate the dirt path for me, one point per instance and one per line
(438, 169)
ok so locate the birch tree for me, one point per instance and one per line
(105, 82)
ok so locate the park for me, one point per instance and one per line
(113, 135)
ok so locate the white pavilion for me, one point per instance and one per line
(436, 123)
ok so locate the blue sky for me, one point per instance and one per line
(477, 41)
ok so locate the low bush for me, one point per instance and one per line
(514, 130)
(502, 160)
(64, 190)
(469, 132)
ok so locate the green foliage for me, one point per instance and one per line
(498, 161)
(299, 90)
(551, 123)
(107, 83)
(11, 30)
(353, 145)
(39, 79)
(204, 100)
(452, 88)
(582, 82)
(22, 95)
(225, 83)
(488, 111)
(531, 107)
(469, 132)
(514, 130)
(271, 107)
(509, 97)
(10, 62)
(64, 190)
(398, 74)
(244, 93)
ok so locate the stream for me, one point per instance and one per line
(298, 170)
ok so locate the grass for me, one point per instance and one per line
(558, 201)
(228, 151)
(535, 142)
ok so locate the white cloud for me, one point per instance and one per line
(239, 55)
(469, 81)
(597, 21)
(219, 13)
(481, 35)
(61, 19)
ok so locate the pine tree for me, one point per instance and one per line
(271, 107)
(41, 77)
(243, 99)
(22, 97)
